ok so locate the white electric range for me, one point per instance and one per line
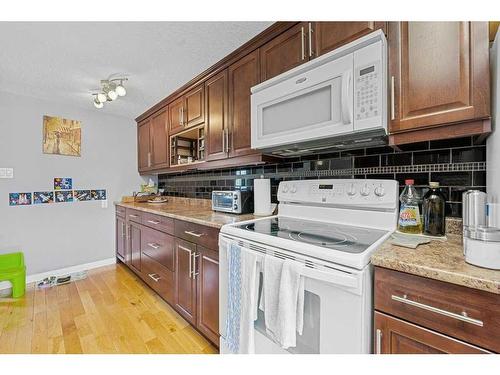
(332, 226)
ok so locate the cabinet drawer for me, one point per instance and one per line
(159, 278)
(199, 234)
(466, 314)
(158, 246)
(165, 224)
(395, 336)
(120, 211)
(134, 215)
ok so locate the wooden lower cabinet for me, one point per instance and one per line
(395, 336)
(120, 238)
(185, 282)
(207, 276)
(134, 242)
(183, 271)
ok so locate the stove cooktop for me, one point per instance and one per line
(346, 238)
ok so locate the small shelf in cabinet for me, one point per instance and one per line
(187, 147)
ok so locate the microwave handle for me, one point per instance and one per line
(346, 105)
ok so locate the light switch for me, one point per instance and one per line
(6, 172)
(104, 203)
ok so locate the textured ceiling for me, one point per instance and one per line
(64, 61)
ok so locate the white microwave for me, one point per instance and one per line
(336, 100)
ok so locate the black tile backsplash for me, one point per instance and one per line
(457, 164)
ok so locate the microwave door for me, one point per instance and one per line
(315, 105)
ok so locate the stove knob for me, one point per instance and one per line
(284, 189)
(293, 189)
(380, 191)
(365, 191)
(351, 191)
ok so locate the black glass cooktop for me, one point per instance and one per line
(345, 238)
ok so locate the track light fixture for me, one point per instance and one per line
(110, 90)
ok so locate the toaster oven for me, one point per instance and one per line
(233, 201)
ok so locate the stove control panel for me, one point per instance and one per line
(341, 192)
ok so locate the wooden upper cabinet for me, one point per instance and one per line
(194, 107)
(144, 145)
(438, 74)
(159, 140)
(327, 36)
(284, 52)
(175, 115)
(394, 336)
(216, 99)
(243, 74)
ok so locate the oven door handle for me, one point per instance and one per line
(331, 277)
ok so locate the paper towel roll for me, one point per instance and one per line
(262, 196)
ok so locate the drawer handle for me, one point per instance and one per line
(155, 222)
(463, 317)
(198, 235)
(152, 276)
(133, 216)
(154, 245)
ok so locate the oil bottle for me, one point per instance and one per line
(434, 211)
(409, 210)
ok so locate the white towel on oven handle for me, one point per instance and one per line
(250, 274)
(291, 303)
(282, 300)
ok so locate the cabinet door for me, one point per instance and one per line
(159, 140)
(216, 90)
(120, 238)
(439, 73)
(284, 52)
(135, 246)
(175, 115)
(243, 74)
(144, 145)
(327, 36)
(394, 336)
(194, 107)
(207, 275)
(185, 283)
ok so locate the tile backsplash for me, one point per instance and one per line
(457, 164)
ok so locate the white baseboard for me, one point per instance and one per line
(62, 271)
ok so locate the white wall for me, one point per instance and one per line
(60, 235)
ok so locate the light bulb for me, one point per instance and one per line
(101, 97)
(97, 103)
(120, 90)
(112, 94)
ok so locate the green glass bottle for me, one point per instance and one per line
(434, 211)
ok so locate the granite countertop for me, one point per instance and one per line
(439, 260)
(189, 210)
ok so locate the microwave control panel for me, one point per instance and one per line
(367, 97)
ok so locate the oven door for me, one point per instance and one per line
(312, 105)
(337, 309)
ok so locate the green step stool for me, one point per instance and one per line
(12, 269)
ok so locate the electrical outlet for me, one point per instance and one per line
(104, 203)
(6, 172)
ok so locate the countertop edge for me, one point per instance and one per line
(437, 274)
(171, 215)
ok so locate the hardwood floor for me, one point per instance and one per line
(111, 311)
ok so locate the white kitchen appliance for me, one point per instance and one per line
(337, 100)
(482, 211)
(332, 227)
